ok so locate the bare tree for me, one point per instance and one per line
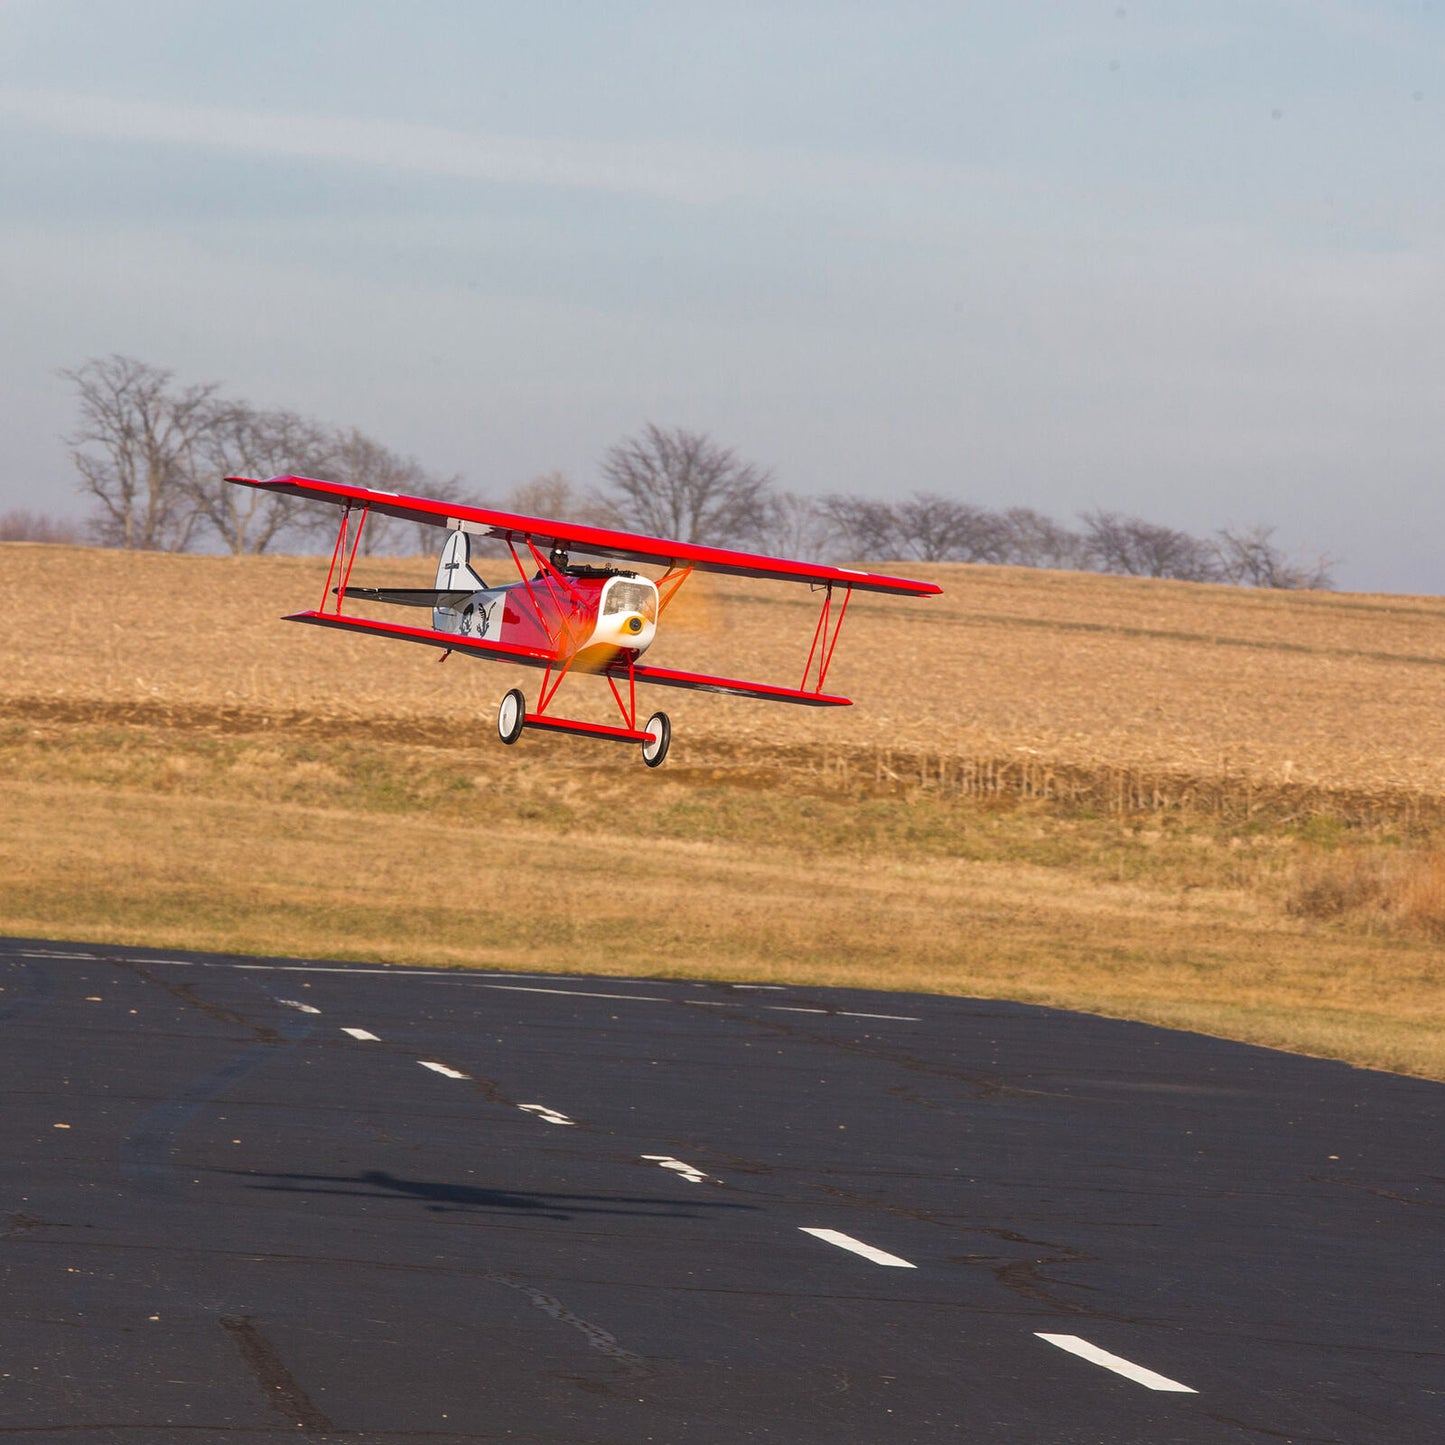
(1166, 552)
(1136, 548)
(549, 494)
(1249, 558)
(364, 462)
(682, 485)
(136, 449)
(247, 442)
(1034, 540)
(925, 527)
(941, 529)
(797, 526)
(863, 526)
(22, 526)
(1107, 542)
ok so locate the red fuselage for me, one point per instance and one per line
(584, 616)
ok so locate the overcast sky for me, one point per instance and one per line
(1183, 260)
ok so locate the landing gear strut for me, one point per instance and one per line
(513, 718)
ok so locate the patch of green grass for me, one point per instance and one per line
(481, 789)
(475, 791)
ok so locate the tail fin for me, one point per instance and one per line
(456, 581)
(454, 570)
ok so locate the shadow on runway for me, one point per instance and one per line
(442, 1198)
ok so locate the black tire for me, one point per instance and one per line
(655, 750)
(512, 715)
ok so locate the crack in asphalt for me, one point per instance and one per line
(186, 993)
(278, 1384)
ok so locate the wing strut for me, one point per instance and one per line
(824, 654)
(629, 708)
(547, 573)
(668, 584)
(550, 691)
(339, 554)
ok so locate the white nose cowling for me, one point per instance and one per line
(619, 633)
(626, 629)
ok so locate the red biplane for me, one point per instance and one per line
(563, 616)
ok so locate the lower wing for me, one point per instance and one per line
(761, 691)
(541, 657)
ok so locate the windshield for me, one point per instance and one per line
(630, 596)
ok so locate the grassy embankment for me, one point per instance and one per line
(1191, 805)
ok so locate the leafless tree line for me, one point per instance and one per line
(682, 484)
(931, 528)
(22, 525)
(152, 456)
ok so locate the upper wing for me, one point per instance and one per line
(597, 541)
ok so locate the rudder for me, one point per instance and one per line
(457, 576)
(455, 572)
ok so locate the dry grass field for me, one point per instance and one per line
(1201, 806)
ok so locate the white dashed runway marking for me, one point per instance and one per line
(460, 979)
(782, 1008)
(677, 1166)
(442, 1069)
(1130, 1371)
(547, 984)
(695, 1002)
(300, 1007)
(856, 1246)
(546, 1115)
(577, 993)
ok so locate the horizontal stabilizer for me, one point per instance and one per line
(408, 596)
(446, 641)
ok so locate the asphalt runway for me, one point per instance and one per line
(259, 1200)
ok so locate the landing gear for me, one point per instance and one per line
(512, 716)
(659, 731)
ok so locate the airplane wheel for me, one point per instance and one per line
(655, 749)
(512, 716)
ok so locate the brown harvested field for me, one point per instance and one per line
(1198, 805)
(1010, 667)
